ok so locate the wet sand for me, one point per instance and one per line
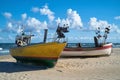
(77, 68)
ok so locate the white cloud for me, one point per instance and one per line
(10, 27)
(34, 24)
(94, 24)
(24, 16)
(35, 9)
(115, 28)
(62, 21)
(118, 31)
(31, 25)
(58, 20)
(73, 19)
(46, 11)
(14, 28)
(7, 15)
(117, 17)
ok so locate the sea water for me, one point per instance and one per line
(4, 47)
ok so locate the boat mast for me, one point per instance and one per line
(107, 30)
(45, 35)
(99, 36)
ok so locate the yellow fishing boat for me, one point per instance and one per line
(45, 53)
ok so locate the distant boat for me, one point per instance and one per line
(100, 49)
(87, 51)
(46, 53)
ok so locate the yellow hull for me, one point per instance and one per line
(38, 52)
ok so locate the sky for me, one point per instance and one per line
(82, 16)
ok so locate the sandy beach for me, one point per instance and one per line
(77, 68)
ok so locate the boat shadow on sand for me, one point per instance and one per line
(11, 67)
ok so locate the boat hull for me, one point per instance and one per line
(40, 54)
(97, 51)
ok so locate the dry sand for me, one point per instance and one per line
(90, 68)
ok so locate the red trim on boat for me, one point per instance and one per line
(73, 49)
(104, 47)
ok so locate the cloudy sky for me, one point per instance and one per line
(82, 16)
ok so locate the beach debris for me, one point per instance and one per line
(59, 70)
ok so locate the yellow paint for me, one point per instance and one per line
(52, 50)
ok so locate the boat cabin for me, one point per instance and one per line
(23, 39)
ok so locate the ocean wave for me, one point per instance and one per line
(4, 52)
(1, 49)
